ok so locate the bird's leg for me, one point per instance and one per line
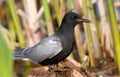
(56, 65)
(51, 67)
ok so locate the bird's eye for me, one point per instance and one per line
(74, 16)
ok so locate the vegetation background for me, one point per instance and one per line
(23, 23)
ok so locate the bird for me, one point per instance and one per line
(55, 48)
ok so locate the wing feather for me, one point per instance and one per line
(47, 48)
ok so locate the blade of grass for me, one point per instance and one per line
(57, 11)
(6, 63)
(12, 35)
(16, 22)
(89, 35)
(48, 17)
(114, 30)
(11, 28)
(94, 17)
(96, 34)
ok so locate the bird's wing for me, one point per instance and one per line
(47, 48)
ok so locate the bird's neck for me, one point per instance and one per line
(66, 34)
(67, 30)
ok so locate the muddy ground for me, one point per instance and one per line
(66, 68)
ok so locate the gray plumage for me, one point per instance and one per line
(47, 48)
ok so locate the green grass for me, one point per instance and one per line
(114, 30)
(6, 58)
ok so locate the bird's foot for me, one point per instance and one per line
(51, 68)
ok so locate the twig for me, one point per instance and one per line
(21, 13)
(74, 62)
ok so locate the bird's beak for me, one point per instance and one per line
(83, 20)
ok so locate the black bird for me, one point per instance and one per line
(56, 47)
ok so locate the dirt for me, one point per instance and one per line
(106, 68)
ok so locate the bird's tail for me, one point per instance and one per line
(20, 54)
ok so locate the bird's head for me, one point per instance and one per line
(74, 18)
